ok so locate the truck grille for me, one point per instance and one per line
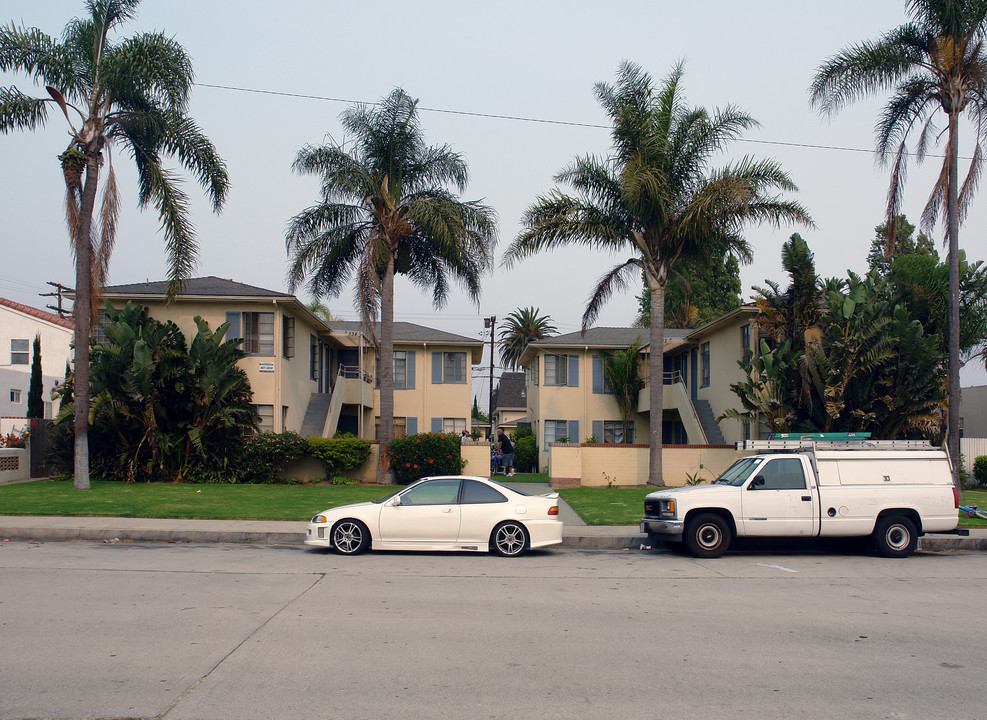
(651, 508)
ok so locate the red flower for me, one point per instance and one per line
(431, 461)
(409, 465)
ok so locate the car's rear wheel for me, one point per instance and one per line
(707, 536)
(895, 537)
(509, 539)
(350, 537)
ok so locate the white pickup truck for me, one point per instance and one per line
(889, 491)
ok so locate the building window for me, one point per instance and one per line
(453, 425)
(448, 367)
(284, 418)
(562, 370)
(745, 343)
(613, 432)
(20, 352)
(704, 368)
(258, 331)
(535, 371)
(557, 430)
(400, 427)
(400, 370)
(313, 358)
(15, 397)
(288, 337)
(266, 413)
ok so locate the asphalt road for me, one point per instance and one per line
(240, 631)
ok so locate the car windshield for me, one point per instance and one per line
(388, 497)
(738, 473)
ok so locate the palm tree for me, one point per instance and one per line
(385, 209)
(936, 62)
(134, 93)
(657, 197)
(521, 328)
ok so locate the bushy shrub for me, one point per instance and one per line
(266, 454)
(980, 469)
(340, 453)
(525, 450)
(417, 456)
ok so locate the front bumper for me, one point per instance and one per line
(663, 529)
(317, 534)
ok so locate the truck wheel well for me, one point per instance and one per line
(725, 514)
(909, 513)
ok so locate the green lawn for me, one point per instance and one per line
(597, 506)
(220, 502)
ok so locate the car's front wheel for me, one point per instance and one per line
(708, 536)
(350, 537)
(509, 539)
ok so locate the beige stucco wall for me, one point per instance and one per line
(725, 351)
(627, 465)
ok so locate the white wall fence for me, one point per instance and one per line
(971, 449)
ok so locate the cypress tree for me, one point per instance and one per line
(35, 397)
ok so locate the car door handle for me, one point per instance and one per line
(807, 498)
(447, 510)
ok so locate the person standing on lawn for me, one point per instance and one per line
(507, 450)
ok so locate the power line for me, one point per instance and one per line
(522, 118)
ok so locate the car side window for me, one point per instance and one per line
(477, 493)
(433, 492)
(782, 474)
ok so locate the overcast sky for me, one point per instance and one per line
(500, 82)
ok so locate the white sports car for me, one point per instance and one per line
(443, 513)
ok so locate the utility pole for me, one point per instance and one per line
(61, 289)
(491, 322)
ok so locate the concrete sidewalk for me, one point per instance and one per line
(260, 532)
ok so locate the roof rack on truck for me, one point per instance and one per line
(833, 441)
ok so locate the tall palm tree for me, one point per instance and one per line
(521, 328)
(657, 197)
(385, 209)
(133, 93)
(934, 63)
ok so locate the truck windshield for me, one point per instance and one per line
(738, 473)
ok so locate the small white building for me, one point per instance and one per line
(19, 324)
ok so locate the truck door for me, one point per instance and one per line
(779, 501)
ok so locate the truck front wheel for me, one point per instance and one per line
(895, 536)
(707, 536)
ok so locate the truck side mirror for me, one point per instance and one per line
(757, 482)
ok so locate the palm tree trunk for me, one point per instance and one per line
(386, 371)
(953, 231)
(656, 368)
(82, 313)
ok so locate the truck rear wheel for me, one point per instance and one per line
(895, 536)
(707, 536)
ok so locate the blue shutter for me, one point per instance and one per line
(411, 426)
(573, 380)
(597, 376)
(598, 430)
(574, 431)
(233, 332)
(436, 368)
(437, 424)
(410, 367)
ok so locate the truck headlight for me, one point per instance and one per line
(668, 508)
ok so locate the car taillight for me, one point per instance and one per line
(956, 498)
(554, 510)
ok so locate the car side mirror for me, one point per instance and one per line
(396, 502)
(757, 482)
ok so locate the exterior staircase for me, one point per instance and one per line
(714, 436)
(316, 413)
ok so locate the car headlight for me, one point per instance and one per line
(320, 519)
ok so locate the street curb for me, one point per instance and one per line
(577, 538)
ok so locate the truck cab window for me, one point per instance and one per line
(782, 474)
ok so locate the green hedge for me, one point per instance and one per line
(267, 454)
(980, 469)
(340, 453)
(416, 456)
